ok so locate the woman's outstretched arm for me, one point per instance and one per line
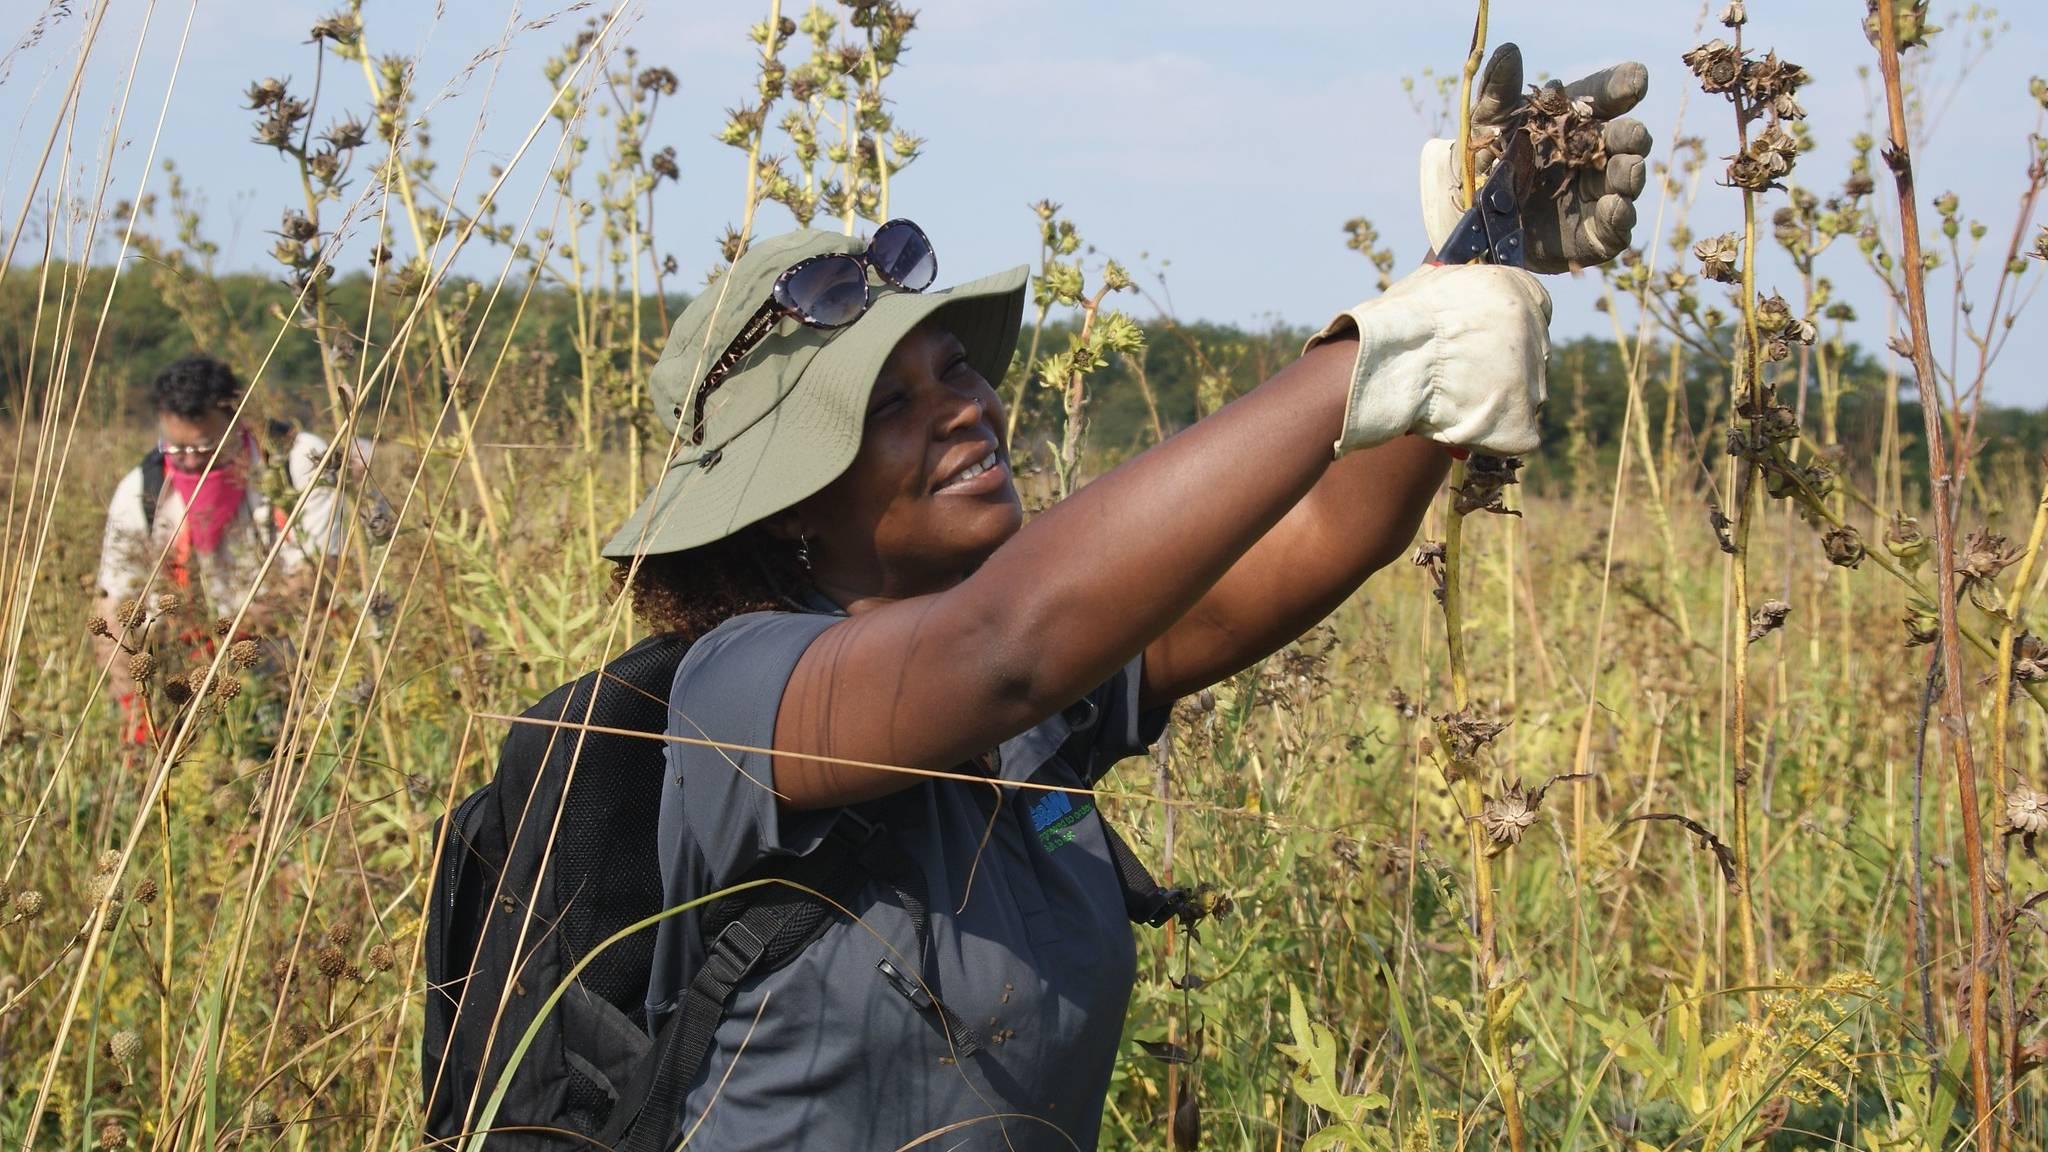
(1357, 519)
(935, 680)
(1455, 354)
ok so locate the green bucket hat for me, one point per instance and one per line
(787, 420)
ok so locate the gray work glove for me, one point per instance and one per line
(1589, 223)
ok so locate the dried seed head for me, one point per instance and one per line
(1429, 556)
(1769, 617)
(98, 627)
(28, 904)
(1922, 629)
(223, 626)
(1463, 733)
(226, 688)
(341, 935)
(1717, 64)
(1844, 546)
(2026, 810)
(1505, 819)
(297, 1034)
(1772, 313)
(108, 861)
(330, 962)
(1907, 544)
(262, 94)
(146, 891)
(112, 1136)
(177, 691)
(169, 602)
(2029, 659)
(1734, 15)
(142, 666)
(124, 1046)
(130, 614)
(1486, 481)
(2026, 815)
(104, 886)
(1717, 256)
(244, 654)
(381, 957)
(1985, 555)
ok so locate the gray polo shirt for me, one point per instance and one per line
(1030, 946)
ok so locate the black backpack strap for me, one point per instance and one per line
(761, 934)
(685, 1041)
(1145, 902)
(152, 486)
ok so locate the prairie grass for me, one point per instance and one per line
(1733, 892)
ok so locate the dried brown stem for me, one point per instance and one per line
(1953, 734)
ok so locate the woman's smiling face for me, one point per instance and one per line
(930, 494)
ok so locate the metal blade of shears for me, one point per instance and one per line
(1490, 232)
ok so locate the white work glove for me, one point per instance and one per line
(1589, 222)
(1454, 353)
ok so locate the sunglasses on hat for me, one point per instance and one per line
(827, 291)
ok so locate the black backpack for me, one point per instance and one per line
(594, 1076)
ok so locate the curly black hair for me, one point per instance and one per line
(195, 386)
(690, 593)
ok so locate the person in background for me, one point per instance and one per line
(174, 526)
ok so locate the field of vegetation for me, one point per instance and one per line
(1692, 804)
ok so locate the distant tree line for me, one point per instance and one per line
(1188, 369)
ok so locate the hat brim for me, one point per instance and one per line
(808, 439)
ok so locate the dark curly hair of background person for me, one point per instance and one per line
(195, 386)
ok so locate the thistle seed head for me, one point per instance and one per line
(330, 962)
(244, 654)
(124, 1046)
(131, 614)
(98, 627)
(28, 904)
(341, 935)
(142, 666)
(169, 602)
(226, 688)
(381, 957)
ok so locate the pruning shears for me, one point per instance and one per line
(1490, 232)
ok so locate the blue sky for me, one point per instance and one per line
(1230, 138)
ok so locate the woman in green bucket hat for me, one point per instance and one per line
(839, 537)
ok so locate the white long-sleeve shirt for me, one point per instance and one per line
(227, 575)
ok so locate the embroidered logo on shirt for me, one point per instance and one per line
(1054, 818)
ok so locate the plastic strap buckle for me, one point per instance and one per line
(734, 953)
